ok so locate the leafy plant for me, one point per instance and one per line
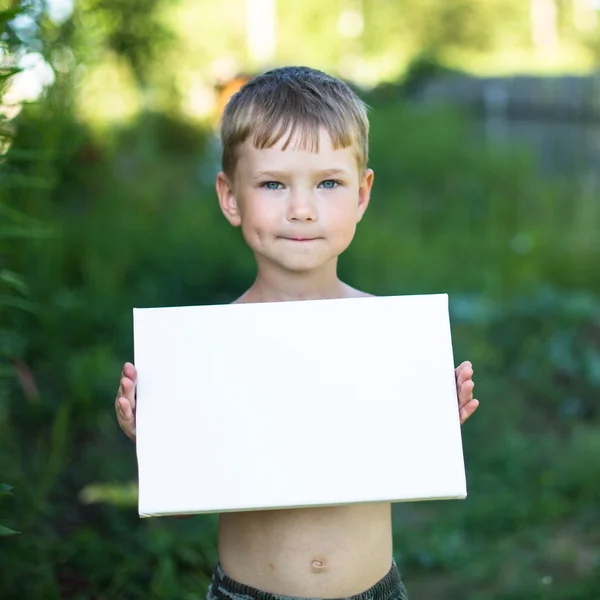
(15, 226)
(5, 490)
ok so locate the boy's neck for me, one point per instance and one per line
(271, 286)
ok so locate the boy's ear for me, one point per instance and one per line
(364, 192)
(227, 200)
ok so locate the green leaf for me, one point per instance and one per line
(13, 281)
(26, 181)
(28, 154)
(20, 232)
(5, 489)
(17, 217)
(5, 531)
(7, 301)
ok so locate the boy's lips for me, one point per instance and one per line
(300, 238)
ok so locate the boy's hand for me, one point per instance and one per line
(125, 401)
(467, 405)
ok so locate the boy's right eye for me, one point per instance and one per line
(272, 185)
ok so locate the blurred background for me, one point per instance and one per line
(486, 147)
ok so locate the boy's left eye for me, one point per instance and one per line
(329, 184)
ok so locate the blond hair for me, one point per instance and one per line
(294, 100)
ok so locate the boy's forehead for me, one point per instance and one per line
(289, 149)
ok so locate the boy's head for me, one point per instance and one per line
(295, 149)
(294, 104)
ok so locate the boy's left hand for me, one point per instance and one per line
(467, 405)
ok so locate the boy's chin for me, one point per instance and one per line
(301, 265)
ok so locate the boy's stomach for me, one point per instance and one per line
(330, 552)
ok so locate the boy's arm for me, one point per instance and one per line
(467, 405)
(125, 401)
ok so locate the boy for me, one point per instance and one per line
(295, 179)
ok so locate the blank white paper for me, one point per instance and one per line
(296, 404)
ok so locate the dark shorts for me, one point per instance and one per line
(224, 588)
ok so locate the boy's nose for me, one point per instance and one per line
(301, 207)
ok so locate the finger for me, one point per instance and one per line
(465, 394)
(125, 417)
(130, 371)
(463, 373)
(123, 404)
(128, 390)
(467, 410)
(124, 411)
(465, 363)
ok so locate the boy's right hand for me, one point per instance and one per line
(125, 401)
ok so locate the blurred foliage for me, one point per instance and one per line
(134, 222)
(14, 227)
(122, 55)
(480, 33)
(5, 490)
(130, 29)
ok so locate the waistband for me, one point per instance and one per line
(223, 587)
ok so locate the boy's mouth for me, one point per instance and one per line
(299, 238)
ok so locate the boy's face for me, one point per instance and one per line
(298, 209)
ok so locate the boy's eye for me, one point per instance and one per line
(329, 184)
(272, 185)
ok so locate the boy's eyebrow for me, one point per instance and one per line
(281, 174)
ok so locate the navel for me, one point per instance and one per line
(318, 565)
